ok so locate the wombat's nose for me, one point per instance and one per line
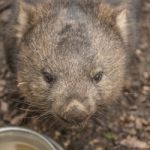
(76, 113)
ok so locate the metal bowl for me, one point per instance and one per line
(26, 136)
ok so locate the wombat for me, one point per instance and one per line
(70, 56)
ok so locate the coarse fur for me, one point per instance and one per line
(61, 46)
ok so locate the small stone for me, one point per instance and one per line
(138, 124)
(146, 90)
(67, 143)
(132, 132)
(1, 88)
(93, 142)
(133, 142)
(99, 148)
(147, 129)
(146, 75)
(131, 118)
(18, 119)
(138, 52)
(134, 108)
(2, 82)
(57, 135)
(145, 122)
(4, 107)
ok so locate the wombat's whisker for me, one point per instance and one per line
(21, 83)
(44, 116)
(31, 109)
(20, 102)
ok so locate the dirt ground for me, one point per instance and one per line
(125, 126)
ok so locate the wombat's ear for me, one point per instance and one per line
(17, 17)
(128, 26)
(120, 18)
(26, 17)
(123, 23)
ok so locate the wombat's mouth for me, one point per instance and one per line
(74, 113)
(71, 122)
(65, 120)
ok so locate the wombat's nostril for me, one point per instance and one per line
(75, 112)
(75, 104)
(76, 115)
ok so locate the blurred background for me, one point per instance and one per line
(127, 128)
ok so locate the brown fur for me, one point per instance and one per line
(72, 40)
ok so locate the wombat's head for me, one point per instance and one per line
(72, 57)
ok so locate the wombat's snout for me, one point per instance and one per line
(75, 112)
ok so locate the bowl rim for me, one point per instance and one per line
(48, 140)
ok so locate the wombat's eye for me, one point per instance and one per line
(48, 77)
(98, 77)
